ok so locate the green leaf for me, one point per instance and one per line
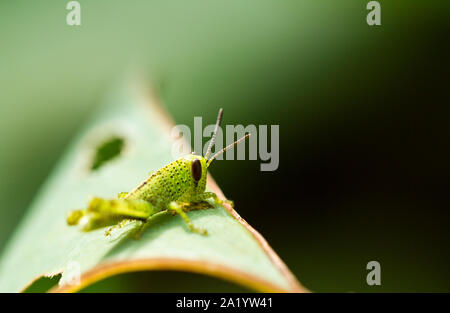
(126, 139)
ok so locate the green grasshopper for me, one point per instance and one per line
(176, 188)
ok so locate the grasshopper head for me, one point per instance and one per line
(199, 165)
(198, 169)
(196, 166)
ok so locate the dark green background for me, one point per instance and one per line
(363, 114)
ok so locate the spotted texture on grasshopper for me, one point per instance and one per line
(176, 188)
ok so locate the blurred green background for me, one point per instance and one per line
(363, 114)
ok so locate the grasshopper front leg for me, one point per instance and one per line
(209, 195)
(185, 207)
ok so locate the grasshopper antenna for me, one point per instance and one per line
(213, 138)
(226, 148)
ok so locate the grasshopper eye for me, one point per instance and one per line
(196, 170)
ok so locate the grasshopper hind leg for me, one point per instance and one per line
(144, 225)
(106, 212)
(118, 226)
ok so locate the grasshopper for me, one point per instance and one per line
(176, 188)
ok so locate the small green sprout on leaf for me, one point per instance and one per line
(177, 188)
